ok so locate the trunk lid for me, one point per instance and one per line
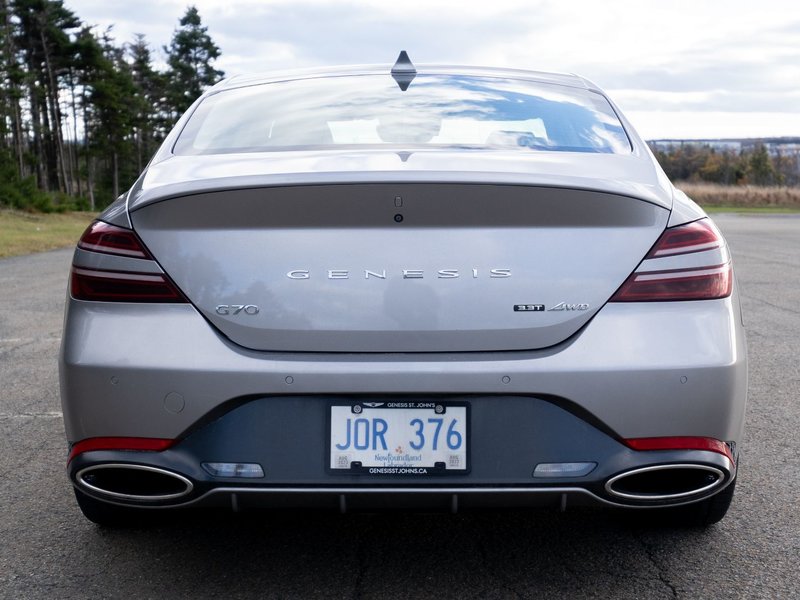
(399, 267)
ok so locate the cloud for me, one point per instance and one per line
(705, 101)
(653, 124)
(675, 56)
(350, 34)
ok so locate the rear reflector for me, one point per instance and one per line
(119, 443)
(680, 443)
(701, 282)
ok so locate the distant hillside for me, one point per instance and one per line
(774, 145)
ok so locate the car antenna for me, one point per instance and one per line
(403, 71)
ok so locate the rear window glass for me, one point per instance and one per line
(435, 110)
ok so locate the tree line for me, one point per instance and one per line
(748, 166)
(80, 115)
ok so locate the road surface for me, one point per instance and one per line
(47, 549)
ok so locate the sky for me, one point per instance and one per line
(676, 68)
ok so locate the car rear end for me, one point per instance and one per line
(435, 325)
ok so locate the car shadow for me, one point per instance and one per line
(479, 554)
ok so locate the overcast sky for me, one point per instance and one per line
(677, 68)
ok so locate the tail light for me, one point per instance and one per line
(109, 239)
(121, 286)
(688, 262)
(141, 280)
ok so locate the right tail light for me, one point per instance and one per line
(668, 272)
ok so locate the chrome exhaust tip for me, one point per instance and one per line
(665, 482)
(137, 483)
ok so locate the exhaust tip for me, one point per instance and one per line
(665, 482)
(138, 483)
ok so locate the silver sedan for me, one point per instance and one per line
(400, 287)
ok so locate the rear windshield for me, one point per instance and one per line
(435, 110)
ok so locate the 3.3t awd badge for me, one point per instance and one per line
(557, 307)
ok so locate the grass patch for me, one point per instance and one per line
(750, 210)
(710, 196)
(25, 233)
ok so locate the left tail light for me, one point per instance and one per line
(141, 280)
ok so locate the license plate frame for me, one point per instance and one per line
(423, 409)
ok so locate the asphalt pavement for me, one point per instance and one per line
(48, 550)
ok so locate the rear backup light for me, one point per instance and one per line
(680, 443)
(119, 443)
(652, 282)
(109, 239)
(244, 470)
(571, 469)
(130, 285)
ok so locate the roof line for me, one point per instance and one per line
(243, 80)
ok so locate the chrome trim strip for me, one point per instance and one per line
(79, 479)
(719, 481)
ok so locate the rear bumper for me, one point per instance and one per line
(635, 371)
(509, 437)
(639, 370)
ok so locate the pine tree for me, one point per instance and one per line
(760, 168)
(80, 114)
(109, 109)
(152, 118)
(43, 39)
(190, 56)
(11, 78)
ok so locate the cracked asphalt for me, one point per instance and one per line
(48, 550)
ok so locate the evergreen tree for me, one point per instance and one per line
(190, 56)
(760, 169)
(152, 119)
(12, 138)
(80, 114)
(43, 39)
(109, 110)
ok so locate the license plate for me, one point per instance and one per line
(398, 438)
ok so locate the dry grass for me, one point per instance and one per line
(24, 233)
(744, 196)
